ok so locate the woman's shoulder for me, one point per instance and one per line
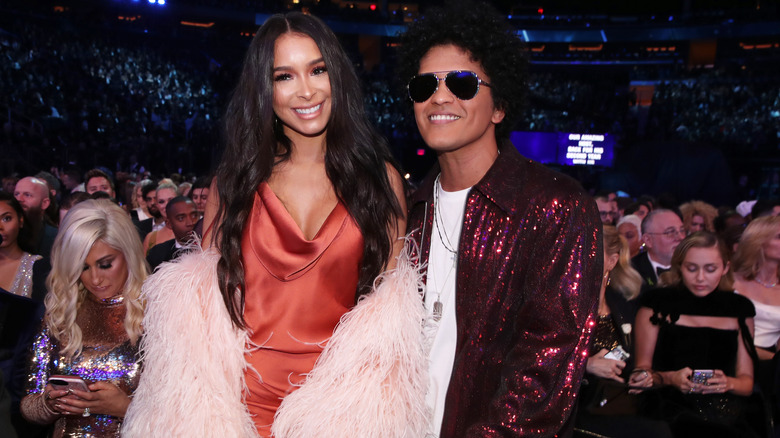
(739, 305)
(31, 257)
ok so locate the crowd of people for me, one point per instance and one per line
(309, 290)
(154, 103)
(739, 110)
(81, 97)
(693, 315)
(733, 251)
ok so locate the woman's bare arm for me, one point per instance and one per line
(397, 234)
(210, 216)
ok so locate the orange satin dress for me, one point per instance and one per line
(296, 292)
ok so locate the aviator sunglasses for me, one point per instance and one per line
(463, 84)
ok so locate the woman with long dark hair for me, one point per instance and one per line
(309, 213)
(310, 142)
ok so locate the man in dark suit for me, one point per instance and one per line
(146, 226)
(182, 217)
(662, 231)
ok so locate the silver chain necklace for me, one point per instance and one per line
(438, 306)
(445, 239)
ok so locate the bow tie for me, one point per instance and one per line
(659, 270)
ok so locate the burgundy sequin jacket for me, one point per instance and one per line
(529, 270)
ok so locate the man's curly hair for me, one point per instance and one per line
(486, 35)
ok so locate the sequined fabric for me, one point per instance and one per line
(529, 271)
(605, 336)
(107, 355)
(23, 280)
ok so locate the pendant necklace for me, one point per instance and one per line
(438, 306)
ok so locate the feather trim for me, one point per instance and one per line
(371, 379)
(193, 357)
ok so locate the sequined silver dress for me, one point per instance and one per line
(107, 355)
(23, 279)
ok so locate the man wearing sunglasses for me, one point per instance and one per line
(511, 251)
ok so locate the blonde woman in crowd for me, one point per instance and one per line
(85, 363)
(606, 408)
(755, 267)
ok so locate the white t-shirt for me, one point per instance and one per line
(441, 279)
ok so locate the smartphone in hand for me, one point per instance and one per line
(65, 383)
(617, 353)
(702, 376)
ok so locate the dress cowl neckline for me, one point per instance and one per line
(282, 248)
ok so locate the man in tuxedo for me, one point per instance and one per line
(182, 217)
(662, 231)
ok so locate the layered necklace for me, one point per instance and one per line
(444, 237)
(439, 221)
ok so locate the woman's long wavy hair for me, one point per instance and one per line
(85, 224)
(355, 157)
(699, 239)
(750, 257)
(623, 277)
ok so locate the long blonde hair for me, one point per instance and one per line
(623, 277)
(85, 224)
(750, 252)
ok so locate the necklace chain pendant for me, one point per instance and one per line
(438, 307)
